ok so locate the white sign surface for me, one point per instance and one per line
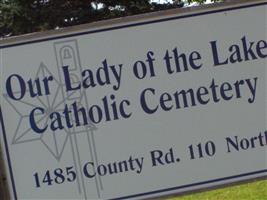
(139, 109)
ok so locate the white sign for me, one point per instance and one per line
(138, 109)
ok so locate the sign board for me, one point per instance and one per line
(139, 108)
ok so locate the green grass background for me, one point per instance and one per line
(250, 191)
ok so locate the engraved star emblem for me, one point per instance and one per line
(54, 141)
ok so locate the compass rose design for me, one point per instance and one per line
(54, 141)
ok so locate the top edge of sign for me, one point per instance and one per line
(128, 21)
